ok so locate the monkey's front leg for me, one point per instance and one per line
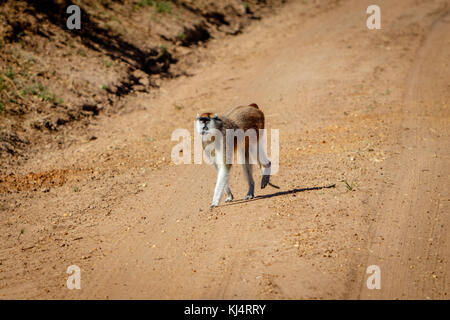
(222, 181)
(229, 197)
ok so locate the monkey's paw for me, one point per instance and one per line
(265, 180)
(229, 199)
(249, 196)
(213, 206)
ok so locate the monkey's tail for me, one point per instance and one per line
(273, 186)
(266, 181)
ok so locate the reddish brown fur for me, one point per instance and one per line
(207, 115)
(247, 117)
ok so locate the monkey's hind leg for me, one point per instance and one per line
(265, 168)
(265, 171)
(249, 177)
(264, 165)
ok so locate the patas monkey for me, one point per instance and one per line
(243, 122)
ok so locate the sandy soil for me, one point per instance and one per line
(365, 110)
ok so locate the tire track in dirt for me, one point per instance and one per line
(410, 240)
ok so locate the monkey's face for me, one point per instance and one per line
(205, 123)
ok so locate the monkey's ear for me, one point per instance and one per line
(216, 116)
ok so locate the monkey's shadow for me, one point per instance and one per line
(277, 194)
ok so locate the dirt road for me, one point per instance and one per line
(367, 110)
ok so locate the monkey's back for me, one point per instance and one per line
(247, 117)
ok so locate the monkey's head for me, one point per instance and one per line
(205, 122)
